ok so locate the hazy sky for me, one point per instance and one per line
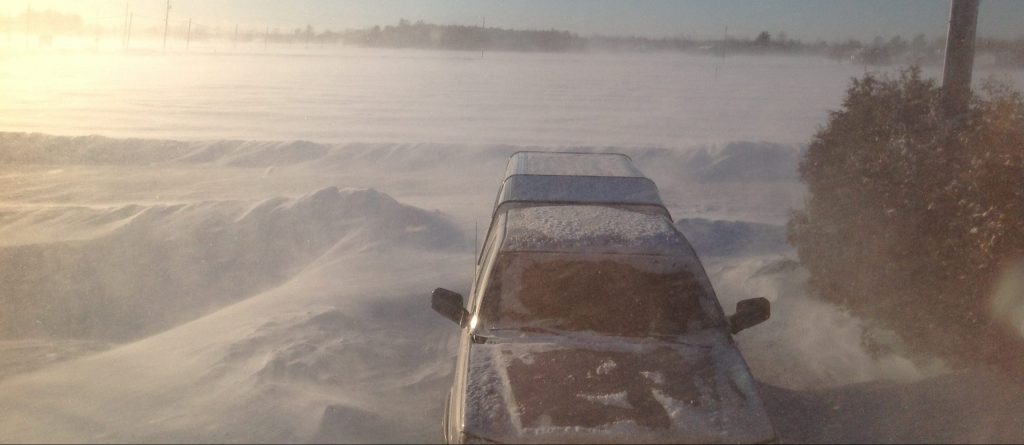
(805, 19)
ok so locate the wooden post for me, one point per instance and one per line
(959, 63)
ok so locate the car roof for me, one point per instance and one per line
(575, 178)
(571, 164)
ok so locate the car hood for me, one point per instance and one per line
(574, 389)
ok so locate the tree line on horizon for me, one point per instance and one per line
(919, 50)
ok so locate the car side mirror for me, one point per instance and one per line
(449, 304)
(749, 313)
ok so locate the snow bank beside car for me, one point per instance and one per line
(145, 268)
(729, 238)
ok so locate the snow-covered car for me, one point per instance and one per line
(591, 319)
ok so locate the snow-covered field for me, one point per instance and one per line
(184, 277)
(358, 95)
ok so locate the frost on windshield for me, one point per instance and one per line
(608, 294)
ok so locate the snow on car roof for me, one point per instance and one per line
(576, 178)
(571, 164)
(592, 229)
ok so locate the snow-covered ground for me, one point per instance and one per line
(184, 278)
(395, 96)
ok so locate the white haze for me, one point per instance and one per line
(668, 100)
(182, 278)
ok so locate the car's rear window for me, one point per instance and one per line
(625, 295)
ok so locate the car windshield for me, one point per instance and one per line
(622, 295)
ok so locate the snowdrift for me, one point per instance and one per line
(332, 322)
(159, 265)
(729, 162)
(723, 238)
(977, 406)
(745, 162)
(278, 291)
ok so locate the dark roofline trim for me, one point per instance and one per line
(563, 252)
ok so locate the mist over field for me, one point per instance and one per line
(240, 247)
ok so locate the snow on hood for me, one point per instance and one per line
(637, 391)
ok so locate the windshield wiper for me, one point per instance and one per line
(536, 329)
(675, 340)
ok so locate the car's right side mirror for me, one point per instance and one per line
(449, 304)
(749, 313)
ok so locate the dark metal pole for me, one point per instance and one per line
(956, 74)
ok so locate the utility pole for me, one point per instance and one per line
(28, 24)
(124, 30)
(128, 40)
(167, 16)
(188, 35)
(725, 41)
(959, 63)
(97, 35)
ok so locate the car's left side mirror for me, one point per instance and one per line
(750, 313)
(450, 305)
